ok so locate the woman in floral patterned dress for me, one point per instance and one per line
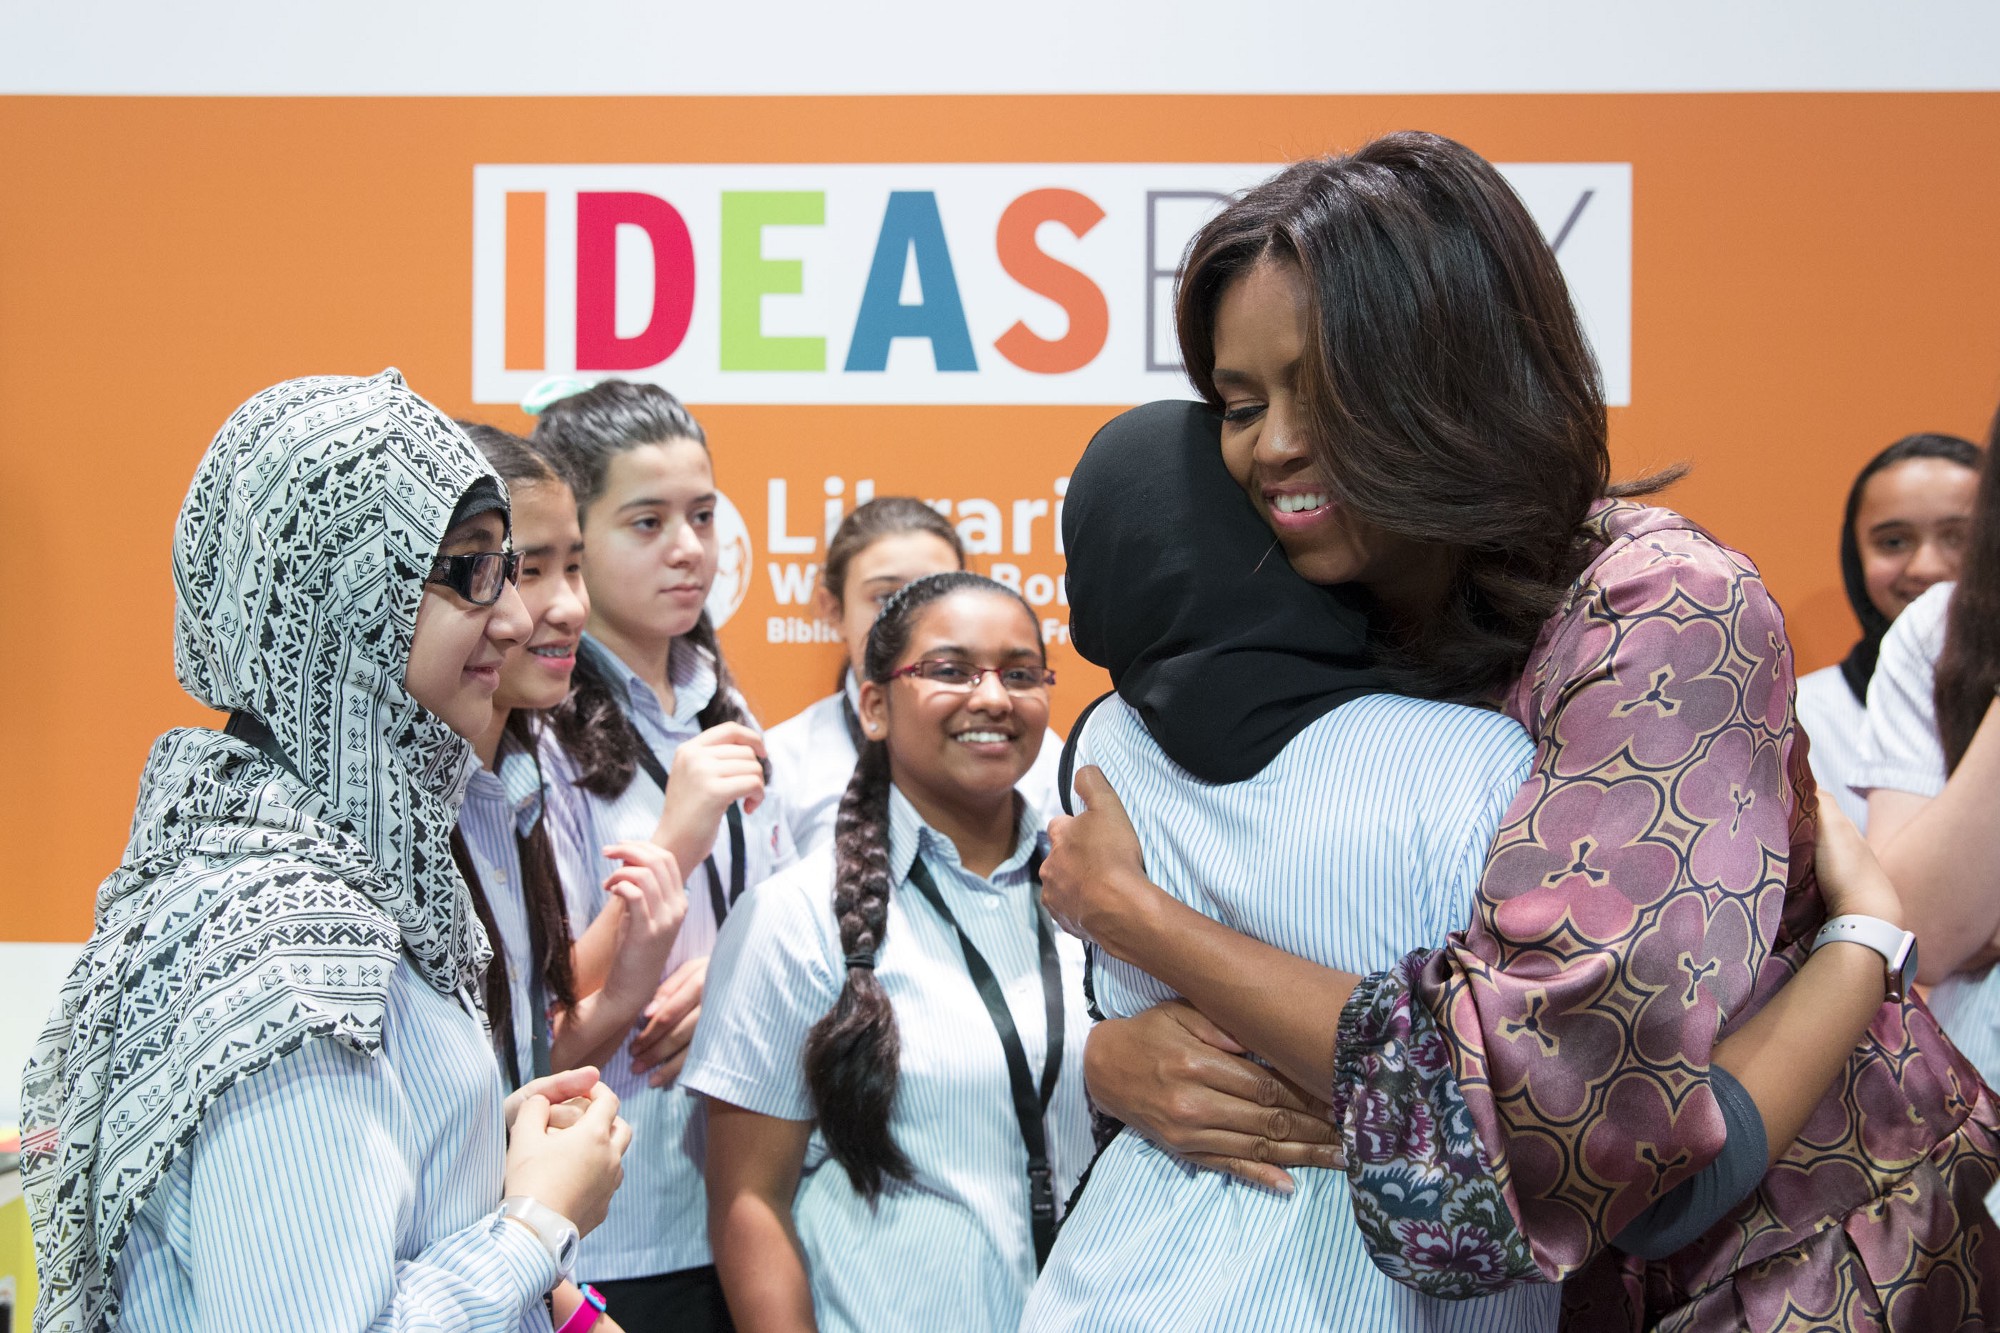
(1508, 1103)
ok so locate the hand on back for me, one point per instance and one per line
(1174, 1077)
(1094, 879)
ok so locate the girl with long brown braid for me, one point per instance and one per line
(881, 545)
(892, 1061)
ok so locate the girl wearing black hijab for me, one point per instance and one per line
(1908, 514)
(1279, 791)
(1262, 758)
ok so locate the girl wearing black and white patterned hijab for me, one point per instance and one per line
(264, 1097)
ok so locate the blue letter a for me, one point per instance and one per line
(911, 222)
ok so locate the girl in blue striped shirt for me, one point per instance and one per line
(893, 1060)
(265, 1099)
(548, 1009)
(654, 744)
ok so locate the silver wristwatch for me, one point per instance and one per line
(1897, 946)
(557, 1233)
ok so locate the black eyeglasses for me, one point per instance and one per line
(955, 675)
(478, 578)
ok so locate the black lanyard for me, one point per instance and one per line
(1031, 1108)
(733, 815)
(850, 720)
(649, 761)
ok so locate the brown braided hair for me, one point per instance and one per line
(853, 1054)
(579, 436)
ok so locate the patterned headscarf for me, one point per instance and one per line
(261, 904)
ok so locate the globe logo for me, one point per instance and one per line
(732, 571)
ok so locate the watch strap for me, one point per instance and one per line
(1885, 937)
(588, 1311)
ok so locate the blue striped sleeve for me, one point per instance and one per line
(300, 1188)
(770, 979)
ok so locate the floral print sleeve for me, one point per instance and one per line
(1510, 1101)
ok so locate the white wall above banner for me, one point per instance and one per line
(934, 283)
(806, 47)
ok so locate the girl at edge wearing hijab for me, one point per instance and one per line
(1904, 531)
(878, 548)
(550, 1008)
(1411, 406)
(893, 1065)
(655, 743)
(1930, 767)
(265, 1098)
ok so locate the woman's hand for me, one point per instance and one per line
(1094, 880)
(721, 766)
(1851, 880)
(573, 1170)
(648, 885)
(1182, 1082)
(663, 1040)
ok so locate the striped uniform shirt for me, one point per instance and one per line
(659, 1218)
(338, 1191)
(812, 758)
(500, 808)
(950, 1249)
(1901, 751)
(1834, 720)
(1362, 841)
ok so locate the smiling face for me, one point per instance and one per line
(1911, 528)
(458, 648)
(652, 545)
(1263, 324)
(952, 748)
(551, 547)
(873, 572)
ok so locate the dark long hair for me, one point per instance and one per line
(541, 886)
(579, 436)
(1968, 669)
(1452, 396)
(1858, 667)
(885, 516)
(853, 1054)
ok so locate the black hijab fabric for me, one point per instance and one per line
(1178, 589)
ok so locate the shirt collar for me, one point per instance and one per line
(518, 784)
(910, 836)
(688, 670)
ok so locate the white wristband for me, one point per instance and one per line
(557, 1233)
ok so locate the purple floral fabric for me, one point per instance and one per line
(1652, 884)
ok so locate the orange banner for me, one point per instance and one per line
(1812, 276)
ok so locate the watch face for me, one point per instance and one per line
(568, 1250)
(1909, 971)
